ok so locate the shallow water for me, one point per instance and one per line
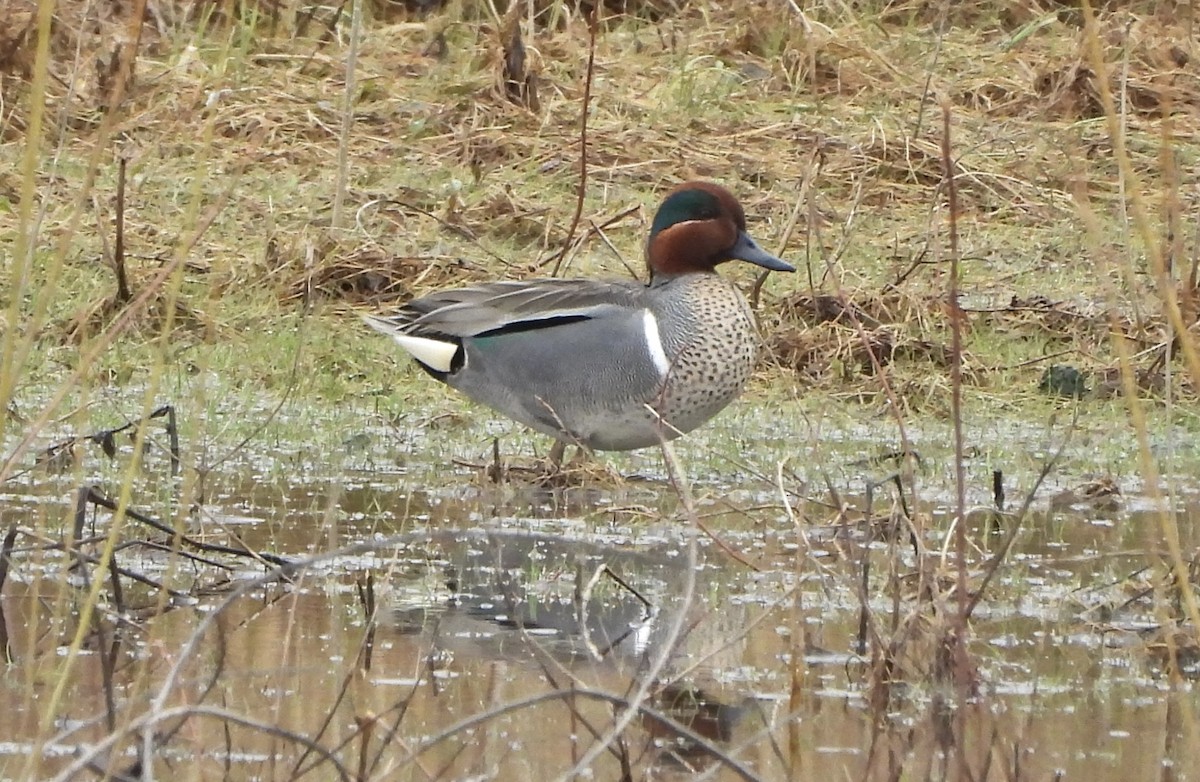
(447, 598)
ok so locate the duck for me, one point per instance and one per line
(604, 365)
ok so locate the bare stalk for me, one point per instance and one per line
(343, 169)
(593, 24)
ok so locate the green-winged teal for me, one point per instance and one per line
(609, 365)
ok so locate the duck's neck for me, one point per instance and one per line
(658, 278)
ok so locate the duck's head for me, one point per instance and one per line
(699, 225)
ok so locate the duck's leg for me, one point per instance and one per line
(580, 459)
(557, 451)
(564, 473)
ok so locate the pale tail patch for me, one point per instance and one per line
(433, 353)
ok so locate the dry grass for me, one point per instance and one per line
(451, 181)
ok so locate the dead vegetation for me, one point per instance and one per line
(465, 146)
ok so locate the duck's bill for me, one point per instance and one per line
(746, 249)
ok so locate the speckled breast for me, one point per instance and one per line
(712, 347)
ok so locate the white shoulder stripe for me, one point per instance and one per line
(654, 344)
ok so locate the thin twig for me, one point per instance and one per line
(10, 538)
(593, 25)
(123, 293)
(343, 159)
(956, 348)
(95, 497)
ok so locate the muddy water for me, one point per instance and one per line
(460, 600)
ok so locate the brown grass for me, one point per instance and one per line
(451, 180)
